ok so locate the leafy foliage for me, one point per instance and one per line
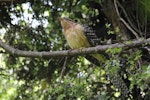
(34, 26)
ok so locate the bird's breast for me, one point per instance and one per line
(76, 38)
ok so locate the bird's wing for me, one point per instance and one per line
(94, 41)
(91, 36)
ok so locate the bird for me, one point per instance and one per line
(80, 36)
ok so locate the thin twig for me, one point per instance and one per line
(124, 22)
(63, 69)
(127, 17)
(116, 8)
(128, 26)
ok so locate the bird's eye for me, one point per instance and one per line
(76, 20)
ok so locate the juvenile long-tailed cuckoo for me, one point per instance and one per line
(79, 36)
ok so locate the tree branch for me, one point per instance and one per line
(97, 49)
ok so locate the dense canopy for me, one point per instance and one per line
(29, 27)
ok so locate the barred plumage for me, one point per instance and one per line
(118, 82)
(91, 36)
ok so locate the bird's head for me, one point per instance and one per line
(66, 23)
